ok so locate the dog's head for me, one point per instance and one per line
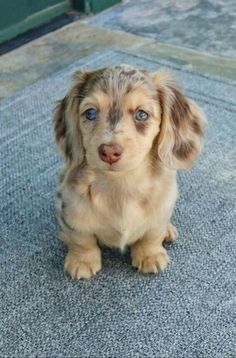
(115, 118)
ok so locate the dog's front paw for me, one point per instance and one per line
(78, 267)
(150, 263)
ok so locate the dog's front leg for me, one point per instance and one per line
(148, 253)
(84, 256)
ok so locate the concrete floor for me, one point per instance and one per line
(54, 51)
(204, 25)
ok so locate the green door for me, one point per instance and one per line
(18, 16)
(93, 6)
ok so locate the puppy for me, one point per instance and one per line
(124, 133)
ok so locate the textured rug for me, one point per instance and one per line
(188, 311)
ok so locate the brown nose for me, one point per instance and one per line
(110, 153)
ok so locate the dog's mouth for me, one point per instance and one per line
(113, 167)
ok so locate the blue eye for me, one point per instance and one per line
(91, 114)
(141, 115)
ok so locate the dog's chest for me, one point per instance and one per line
(122, 215)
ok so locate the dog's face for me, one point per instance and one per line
(115, 118)
(119, 119)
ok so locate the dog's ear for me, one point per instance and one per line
(61, 129)
(181, 133)
(66, 120)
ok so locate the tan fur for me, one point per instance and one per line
(130, 202)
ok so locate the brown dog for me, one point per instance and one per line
(123, 132)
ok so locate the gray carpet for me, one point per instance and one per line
(188, 311)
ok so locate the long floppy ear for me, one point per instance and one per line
(182, 124)
(61, 129)
(66, 121)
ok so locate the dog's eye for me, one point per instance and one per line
(141, 115)
(91, 114)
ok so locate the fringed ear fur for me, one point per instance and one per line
(66, 121)
(182, 124)
(60, 127)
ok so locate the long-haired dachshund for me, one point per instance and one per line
(124, 133)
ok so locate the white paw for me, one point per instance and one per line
(151, 263)
(78, 268)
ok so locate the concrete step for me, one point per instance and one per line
(58, 49)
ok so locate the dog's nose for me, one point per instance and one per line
(110, 153)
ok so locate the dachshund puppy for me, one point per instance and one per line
(124, 133)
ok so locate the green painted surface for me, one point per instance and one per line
(18, 16)
(102, 4)
(93, 6)
(35, 6)
(8, 13)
